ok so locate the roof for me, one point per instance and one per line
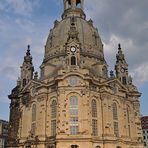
(3, 121)
(144, 122)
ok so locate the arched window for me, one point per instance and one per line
(115, 119)
(74, 146)
(53, 109)
(94, 118)
(33, 113)
(94, 108)
(98, 146)
(128, 121)
(115, 114)
(73, 108)
(24, 82)
(53, 117)
(33, 126)
(73, 60)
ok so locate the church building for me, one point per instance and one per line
(74, 102)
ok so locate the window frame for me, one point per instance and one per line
(73, 60)
(74, 117)
(33, 124)
(115, 119)
(94, 117)
(53, 117)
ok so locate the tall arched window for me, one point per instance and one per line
(73, 60)
(73, 108)
(94, 108)
(53, 117)
(94, 118)
(128, 121)
(115, 119)
(33, 126)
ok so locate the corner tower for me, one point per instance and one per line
(121, 67)
(74, 103)
(27, 69)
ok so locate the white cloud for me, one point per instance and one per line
(124, 22)
(139, 71)
(24, 24)
(114, 40)
(140, 74)
(23, 7)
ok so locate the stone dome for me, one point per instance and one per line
(87, 34)
(73, 30)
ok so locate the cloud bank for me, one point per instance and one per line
(124, 22)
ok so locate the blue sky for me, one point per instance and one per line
(24, 22)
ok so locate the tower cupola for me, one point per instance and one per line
(73, 4)
(73, 8)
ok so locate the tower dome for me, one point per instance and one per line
(73, 22)
(87, 34)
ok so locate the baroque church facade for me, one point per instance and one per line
(74, 103)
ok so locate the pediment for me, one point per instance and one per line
(32, 84)
(120, 85)
(116, 86)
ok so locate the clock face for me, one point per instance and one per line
(122, 70)
(73, 49)
(73, 81)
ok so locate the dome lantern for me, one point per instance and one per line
(73, 7)
(68, 4)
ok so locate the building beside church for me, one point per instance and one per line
(3, 133)
(144, 123)
(74, 102)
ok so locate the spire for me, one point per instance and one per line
(28, 57)
(73, 8)
(120, 56)
(28, 50)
